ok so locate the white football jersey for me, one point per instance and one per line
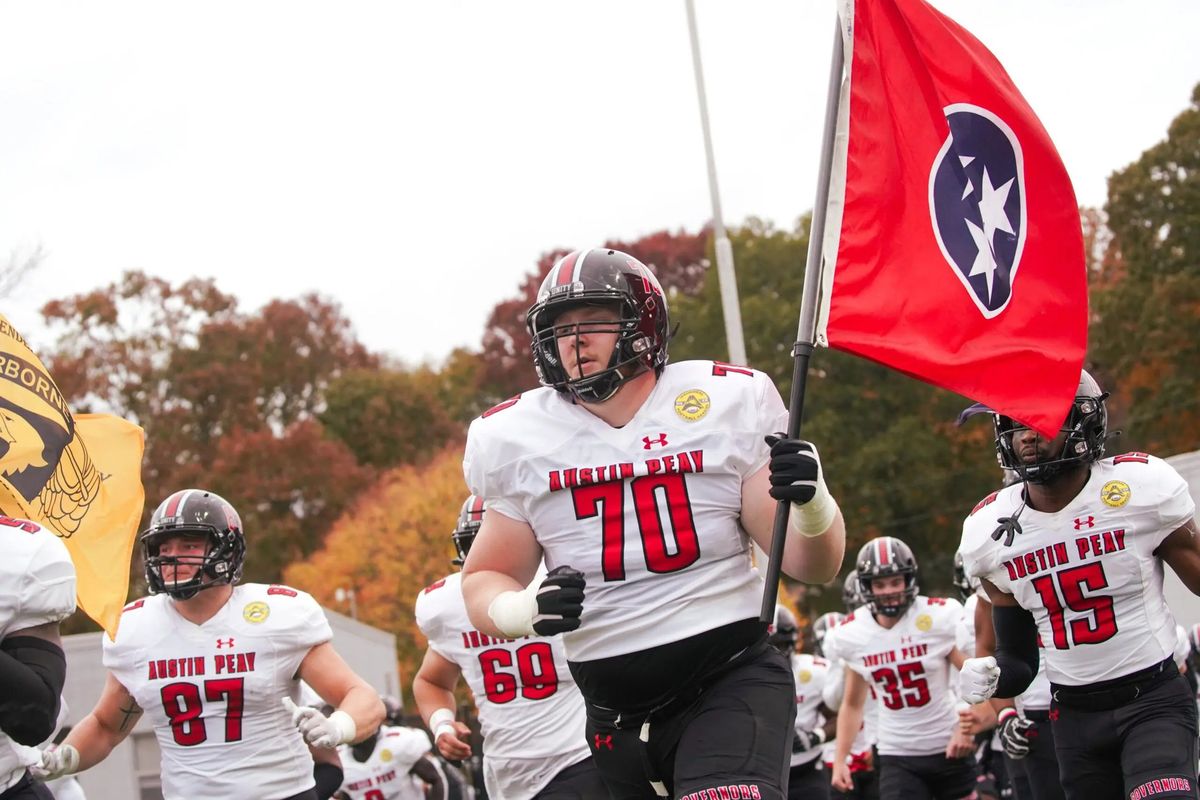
(531, 713)
(213, 692)
(38, 581)
(835, 686)
(386, 774)
(648, 512)
(1088, 573)
(810, 673)
(909, 669)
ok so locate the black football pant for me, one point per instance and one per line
(577, 782)
(27, 789)
(809, 781)
(1145, 748)
(733, 740)
(932, 777)
(1035, 777)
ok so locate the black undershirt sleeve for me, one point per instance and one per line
(1016, 649)
(328, 778)
(32, 674)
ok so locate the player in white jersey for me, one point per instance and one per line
(394, 763)
(643, 484)
(1074, 555)
(861, 760)
(814, 721)
(902, 644)
(37, 591)
(217, 667)
(530, 711)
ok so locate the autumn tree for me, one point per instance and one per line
(391, 543)
(1146, 322)
(228, 400)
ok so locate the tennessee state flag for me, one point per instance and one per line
(79, 476)
(953, 248)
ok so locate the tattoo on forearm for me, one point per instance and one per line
(131, 712)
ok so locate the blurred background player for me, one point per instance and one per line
(217, 667)
(395, 763)
(903, 646)
(530, 710)
(862, 758)
(38, 581)
(814, 721)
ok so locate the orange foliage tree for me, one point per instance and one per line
(393, 542)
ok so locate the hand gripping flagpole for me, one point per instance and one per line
(806, 334)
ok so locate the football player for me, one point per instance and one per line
(217, 666)
(861, 761)
(39, 592)
(821, 627)
(394, 763)
(902, 644)
(815, 723)
(852, 596)
(1073, 554)
(530, 710)
(643, 485)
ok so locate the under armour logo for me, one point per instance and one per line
(1081, 521)
(606, 741)
(660, 440)
(224, 642)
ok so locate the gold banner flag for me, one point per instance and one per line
(79, 476)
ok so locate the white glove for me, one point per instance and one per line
(56, 761)
(318, 729)
(978, 678)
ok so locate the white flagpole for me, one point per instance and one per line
(726, 277)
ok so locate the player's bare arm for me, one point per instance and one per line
(504, 558)
(1181, 549)
(812, 559)
(849, 720)
(433, 689)
(114, 717)
(337, 684)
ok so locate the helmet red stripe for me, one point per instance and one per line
(884, 556)
(566, 269)
(175, 503)
(476, 511)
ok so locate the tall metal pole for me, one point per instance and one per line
(725, 273)
(806, 332)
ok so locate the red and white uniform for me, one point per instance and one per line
(38, 581)
(386, 774)
(1088, 573)
(835, 687)
(811, 673)
(648, 512)
(213, 692)
(530, 711)
(908, 667)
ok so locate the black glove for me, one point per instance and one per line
(1014, 733)
(807, 740)
(795, 469)
(559, 601)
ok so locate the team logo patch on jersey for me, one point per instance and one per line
(804, 676)
(1115, 493)
(385, 755)
(692, 405)
(256, 613)
(924, 622)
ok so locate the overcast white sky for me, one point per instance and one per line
(412, 160)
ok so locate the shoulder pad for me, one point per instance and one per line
(434, 585)
(135, 605)
(985, 501)
(509, 403)
(720, 369)
(278, 589)
(1132, 458)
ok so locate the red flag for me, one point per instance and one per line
(958, 257)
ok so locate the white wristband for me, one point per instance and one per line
(814, 517)
(442, 721)
(512, 612)
(344, 723)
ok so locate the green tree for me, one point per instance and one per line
(1146, 321)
